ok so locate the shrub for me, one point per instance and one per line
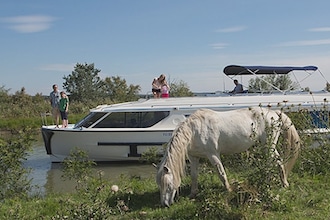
(77, 165)
(14, 180)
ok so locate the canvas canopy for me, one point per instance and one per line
(259, 70)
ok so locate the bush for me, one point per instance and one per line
(13, 179)
(77, 165)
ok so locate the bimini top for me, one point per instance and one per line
(251, 70)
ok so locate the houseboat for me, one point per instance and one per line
(124, 131)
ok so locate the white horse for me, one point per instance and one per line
(207, 134)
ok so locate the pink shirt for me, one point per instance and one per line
(165, 92)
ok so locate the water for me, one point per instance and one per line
(39, 163)
(47, 177)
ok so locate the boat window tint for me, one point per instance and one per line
(90, 119)
(132, 119)
(149, 119)
(320, 119)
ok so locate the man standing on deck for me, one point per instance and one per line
(54, 101)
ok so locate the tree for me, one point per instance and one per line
(282, 82)
(4, 102)
(14, 180)
(327, 87)
(21, 100)
(118, 90)
(4, 96)
(84, 83)
(180, 89)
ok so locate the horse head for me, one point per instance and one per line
(166, 185)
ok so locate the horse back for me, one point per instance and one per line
(226, 132)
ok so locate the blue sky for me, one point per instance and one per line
(42, 40)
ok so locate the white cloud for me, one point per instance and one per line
(232, 29)
(320, 29)
(217, 46)
(58, 67)
(29, 23)
(305, 43)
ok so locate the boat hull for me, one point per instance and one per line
(103, 145)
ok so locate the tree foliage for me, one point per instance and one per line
(84, 83)
(118, 90)
(4, 94)
(180, 89)
(21, 104)
(14, 180)
(4, 101)
(282, 82)
(327, 87)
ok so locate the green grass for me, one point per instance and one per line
(306, 198)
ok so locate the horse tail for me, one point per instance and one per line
(292, 144)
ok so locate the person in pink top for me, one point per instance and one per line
(165, 88)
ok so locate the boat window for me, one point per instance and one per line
(132, 119)
(90, 119)
(320, 119)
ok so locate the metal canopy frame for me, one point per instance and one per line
(237, 70)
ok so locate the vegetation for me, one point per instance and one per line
(138, 198)
(77, 166)
(180, 89)
(281, 82)
(13, 179)
(84, 85)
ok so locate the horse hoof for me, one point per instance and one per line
(192, 195)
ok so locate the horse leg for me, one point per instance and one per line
(194, 161)
(275, 154)
(283, 173)
(221, 171)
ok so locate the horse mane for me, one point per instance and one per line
(293, 141)
(176, 152)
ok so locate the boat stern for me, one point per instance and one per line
(47, 134)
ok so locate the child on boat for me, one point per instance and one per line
(64, 107)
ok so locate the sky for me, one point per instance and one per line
(187, 40)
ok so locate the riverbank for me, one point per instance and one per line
(138, 198)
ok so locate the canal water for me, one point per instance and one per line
(47, 177)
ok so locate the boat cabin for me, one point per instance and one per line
(142, 119)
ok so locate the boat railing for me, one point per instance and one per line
(44, 118)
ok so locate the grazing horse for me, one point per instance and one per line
(207, 134)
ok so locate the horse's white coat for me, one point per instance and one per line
(207, 134)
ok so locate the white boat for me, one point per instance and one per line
(122, 132)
